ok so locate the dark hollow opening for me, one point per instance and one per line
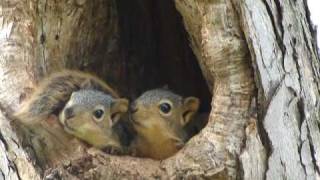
(156, 49)
(155, 46)
(152, 51)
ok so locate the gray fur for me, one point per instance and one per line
(154, 96)
(90, 98)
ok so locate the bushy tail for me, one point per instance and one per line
(53, 93)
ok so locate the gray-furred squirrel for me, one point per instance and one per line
(159, 117)
(85, 107)
(89, 109)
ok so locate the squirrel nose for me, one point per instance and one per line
(133, 107)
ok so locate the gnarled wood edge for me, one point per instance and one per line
(222, 52)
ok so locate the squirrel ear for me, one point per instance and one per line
(119, 106)
(191, 106)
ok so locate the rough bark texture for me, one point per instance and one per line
(273, 134)
(287, 76)
(218, 42)
(18, 70)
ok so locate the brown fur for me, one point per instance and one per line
(78, 117)
(38, 117)
(53, 92)
(161, 135)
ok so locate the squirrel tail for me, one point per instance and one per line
(54, 92)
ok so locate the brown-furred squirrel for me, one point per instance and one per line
(159, 118)
(71, 104)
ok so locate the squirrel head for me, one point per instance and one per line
(90, 115)
(163, 110)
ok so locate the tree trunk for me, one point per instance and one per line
(286, 67)
(258, 58)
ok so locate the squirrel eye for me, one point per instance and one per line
(98, 113)
(165, 108)
(68, 113)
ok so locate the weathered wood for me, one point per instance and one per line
(17, 72)
(14, 162)
(218, 42)
(272, 136)
(253, 157)
(287, 76)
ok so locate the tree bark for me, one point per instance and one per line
(258, 59)
(286, 68)
(18, 71)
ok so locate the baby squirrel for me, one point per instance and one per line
(90, 115)
(159, 118)
(86, 107)
(54, 92)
